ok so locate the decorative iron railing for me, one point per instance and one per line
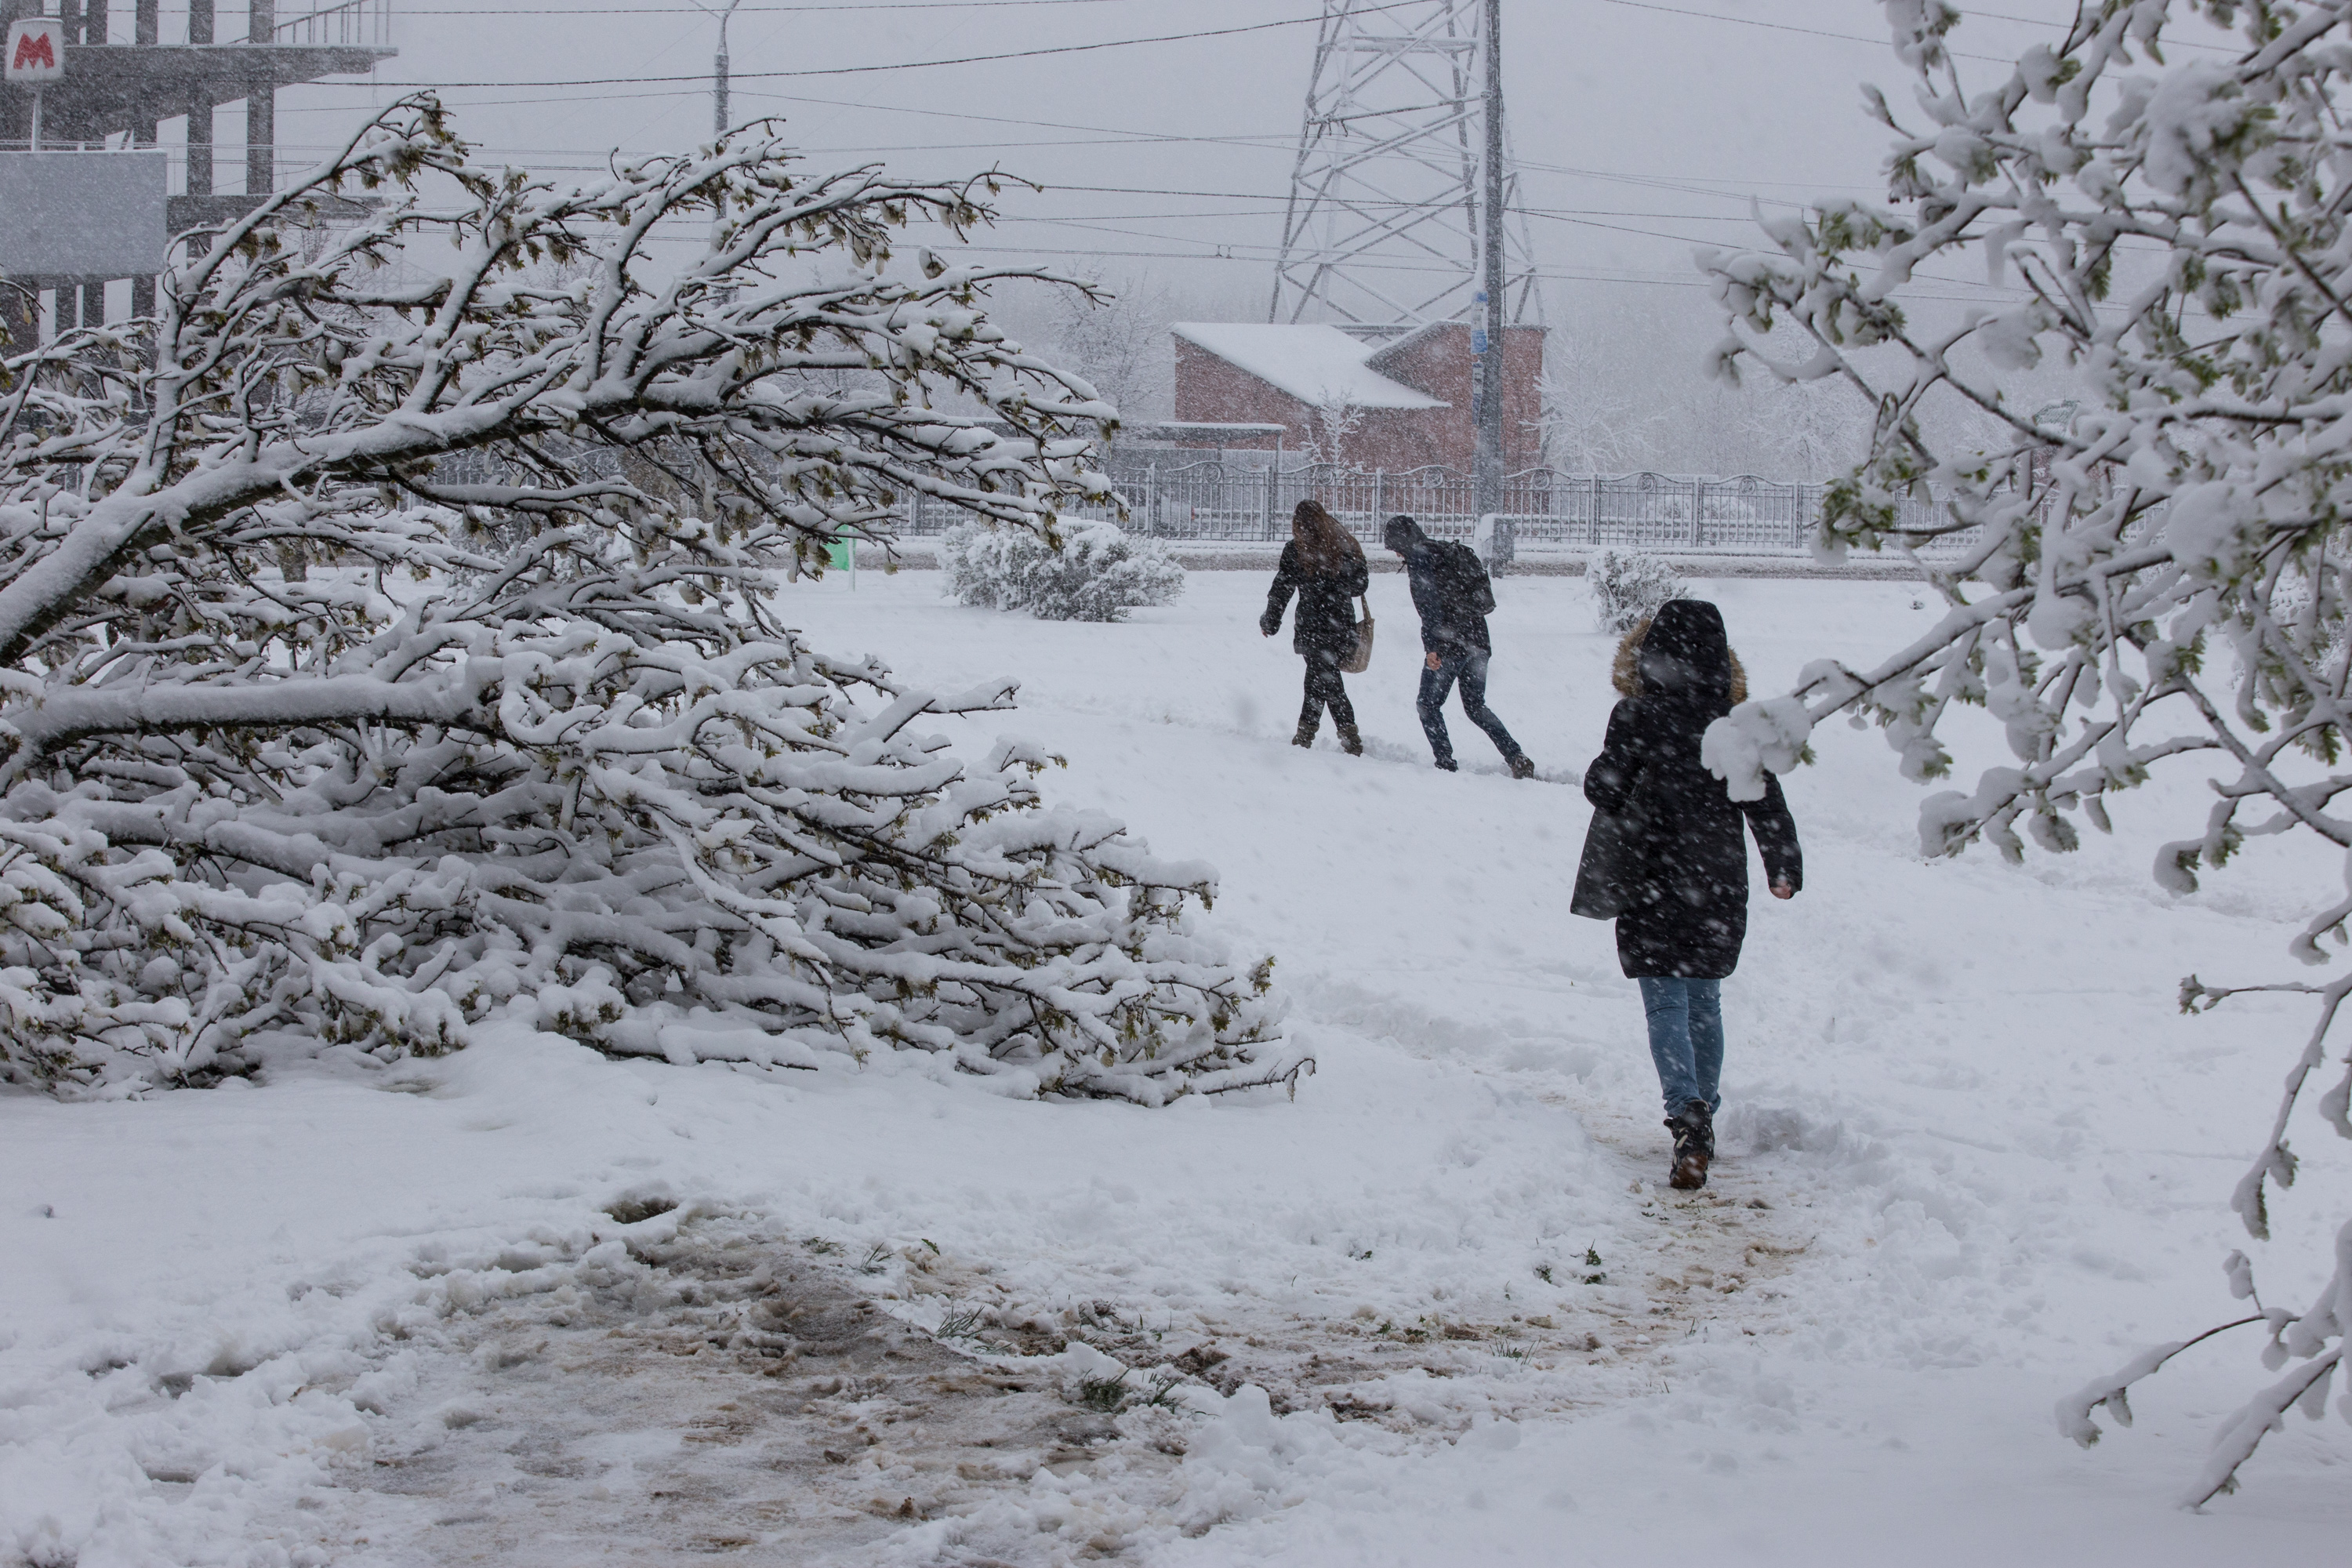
(1548, 511)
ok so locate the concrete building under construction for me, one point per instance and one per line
(119, 84)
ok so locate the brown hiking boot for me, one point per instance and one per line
(1350, 742)
(1693, 1132)
(1522, 767)
(1305, 736)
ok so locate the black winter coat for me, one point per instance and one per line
(1685, 913)
(1451, 623)
(1327, 610)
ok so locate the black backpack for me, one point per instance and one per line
(1464, 578)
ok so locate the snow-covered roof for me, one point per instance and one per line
(1315, 365)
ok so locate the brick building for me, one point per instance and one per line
(1402, 401)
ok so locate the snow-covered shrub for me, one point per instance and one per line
(540, 744)
(1099, 572)
(2163, 579)
(1628, 587)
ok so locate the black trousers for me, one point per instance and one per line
(1324, 687)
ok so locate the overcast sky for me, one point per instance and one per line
(1641, 129)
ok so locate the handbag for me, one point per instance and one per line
(1612, 862)
(1360, 659)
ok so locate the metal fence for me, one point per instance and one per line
(363, 23)
(1210, 501)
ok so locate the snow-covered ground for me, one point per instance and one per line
(1438, 1310)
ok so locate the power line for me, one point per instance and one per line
(1789, 27)
(747, 10)
(689, 12)
(1882, 42)
(858, 71)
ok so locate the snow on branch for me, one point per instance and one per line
(2155, 571)
(392, 636)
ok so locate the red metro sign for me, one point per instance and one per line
(36, 51)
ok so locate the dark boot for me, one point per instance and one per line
(1448, 765)
(1693, 1132)
(1306, 727)
(1350, 742)
(1521, 768)
(1701, 1115)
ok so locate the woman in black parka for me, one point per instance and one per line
(1324, 565)
(1681, 883)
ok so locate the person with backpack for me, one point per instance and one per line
(1454, 596)
(1666, 857)
(1324, 566)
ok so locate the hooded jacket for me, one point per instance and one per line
(1684, 901)
(1451, 624)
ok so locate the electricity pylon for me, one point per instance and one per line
(1384, 223)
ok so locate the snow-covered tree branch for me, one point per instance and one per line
(2168, 583)
(390, 638)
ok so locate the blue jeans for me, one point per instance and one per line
(1686, 1039)
(1470, 669)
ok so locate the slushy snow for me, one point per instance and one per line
(527, 1304)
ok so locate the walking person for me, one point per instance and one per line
(1667, 856)
(1324, 565)
(1452, 595)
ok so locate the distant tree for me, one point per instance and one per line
(1332, 427)
(1596, 418)
(2163, 581)
(533, 739)
(1118, 340)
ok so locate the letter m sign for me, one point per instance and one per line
(36, 51)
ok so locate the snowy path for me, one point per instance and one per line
(317, 1321)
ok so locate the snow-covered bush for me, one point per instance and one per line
(1629, 587)
(532, 738)
(1089, 571)
(2163, 579)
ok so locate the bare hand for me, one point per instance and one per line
(1784, 889)
(1434, 661)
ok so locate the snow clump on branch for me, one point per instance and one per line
(407, 648)
(2164, 579)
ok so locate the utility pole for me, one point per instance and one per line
(1488, 321)
(719, 126)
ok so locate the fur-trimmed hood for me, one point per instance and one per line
(1625, 672)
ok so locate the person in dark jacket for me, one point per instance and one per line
(1451, 595)
(1324, 565)
(1681, 885)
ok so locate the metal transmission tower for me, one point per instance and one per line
(1383, 224)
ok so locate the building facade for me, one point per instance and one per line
(1393, 402)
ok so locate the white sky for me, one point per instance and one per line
(1641, 129)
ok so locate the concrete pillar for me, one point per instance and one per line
(200, 146)
(261, 139)
(260, 106)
